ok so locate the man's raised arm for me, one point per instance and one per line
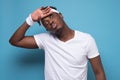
(19, 39)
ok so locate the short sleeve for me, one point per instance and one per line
(38, 41)
(92, 50)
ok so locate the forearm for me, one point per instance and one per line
(100, 76)
(19, 34)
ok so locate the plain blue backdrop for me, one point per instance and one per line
(100, 18)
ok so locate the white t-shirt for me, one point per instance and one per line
(67, 60)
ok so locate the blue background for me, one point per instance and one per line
(100, 18)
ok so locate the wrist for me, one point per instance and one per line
(29, 20)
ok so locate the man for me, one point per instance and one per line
(67, 51)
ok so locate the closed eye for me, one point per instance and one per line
(46, 23)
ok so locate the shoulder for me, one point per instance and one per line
(42, 35)
(83, 35)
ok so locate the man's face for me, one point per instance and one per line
(53, 22)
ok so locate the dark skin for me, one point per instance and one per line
(54, 23)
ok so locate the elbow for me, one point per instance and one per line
(12, 42)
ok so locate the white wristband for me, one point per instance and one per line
(29, 20)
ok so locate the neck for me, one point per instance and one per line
(65, 33)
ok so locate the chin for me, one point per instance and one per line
(57, 31)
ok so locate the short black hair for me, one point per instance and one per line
(45, 8)
(51, 7)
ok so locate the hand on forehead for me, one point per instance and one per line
(47, 11)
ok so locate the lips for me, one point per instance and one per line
(54, 25)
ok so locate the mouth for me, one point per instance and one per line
(54, 25)
(53, 28)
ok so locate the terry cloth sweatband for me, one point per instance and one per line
(29, 20)
(53, 10)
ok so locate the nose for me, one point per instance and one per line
(51, 21)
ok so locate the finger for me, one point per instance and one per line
(47, 10)
(47, 14)
(42, 8)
